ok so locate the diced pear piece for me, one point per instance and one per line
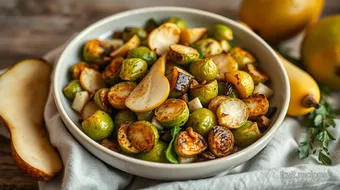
(225, 63)
(162, 37)
(24, 90)
(123, 50)
(89, 109)
(80, 100)
(91, 80)
(152, 91)
(192, 35)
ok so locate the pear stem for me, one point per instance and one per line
(310, 102)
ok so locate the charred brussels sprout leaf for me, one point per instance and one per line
(71, 89)
(98, 126)
(202, 121)
(133, 69)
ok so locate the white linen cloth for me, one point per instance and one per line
(277, 166)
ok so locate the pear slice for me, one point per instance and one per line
(152, 91)
(24, 90)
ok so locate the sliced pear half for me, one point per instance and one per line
(23, 91)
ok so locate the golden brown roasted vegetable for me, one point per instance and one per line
(119, 93)
(258, 106)
(221, 141)
(189, 143)
(255, 73)
(215, 102)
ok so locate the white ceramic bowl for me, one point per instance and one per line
(195, 18)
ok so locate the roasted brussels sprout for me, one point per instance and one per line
(207, 47)
(100, 98)
(205, 92)
(143, 53)
(98, 126)
(172, 113)
(255, 73)
(242, 81)
(203, 69)
(247, 134)
(162, 37)
(258, 106)
(133, 69)
(71, 89)
(225, 45)
(143, 135)
(189, 143)
(191, 35)
(202, 121)
(111, 72)
(146, 116)
(220, 32)
(225, 63)
(227, 89)
(183, 55)
(77, 68)
(221, 141)
(123, 141)
(232, 113)
(119, 92)
(131, 31)
(93, 50)
(170, 152)
(178, 21)
(156, 154)
(242, 57)
(124, 115)
(214, 103)
(150, 25)
(180, 81)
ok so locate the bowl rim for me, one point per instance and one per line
(269, 134)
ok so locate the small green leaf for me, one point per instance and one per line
(321, 111)
(303, 151)
(319, 136)
(323, 158)
(170, 154)
(330, 135)
(318, 120)
(330, 122)
(314, 151)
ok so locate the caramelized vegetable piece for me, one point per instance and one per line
(242, 57)
(91, 80)
(214, 103)
(192, 35)
(93, 50)
(77, 68)
(224, 63)
(242, 81)
(89, 109)
(123, 141)
(183, 55)
(143, 135)
(180, 81)
(221, 141)
(162, 37)
(205, 156)
(255, 73)
(110, 145)
(258, 106)
(133, 43)
(232, 113)
(172, 113)
(263, 122)
(261, 88)
(111, 72)
(189, 143)
(205, 92)
(247, 134)
(100, 98)
(119, 93)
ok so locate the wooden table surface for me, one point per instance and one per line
(30, 28)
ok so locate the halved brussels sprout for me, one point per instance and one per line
(111, 72)
(98, 126)
(178, 21)
(255, 73)
(143, 53)
(207, 47)
(146, 116)
(205, 92)
(221, 141)
(261, 88)
(133, 69)
(124, 115)
(77, 68)
(156, 154)
(242, 57)
(183, 55)
(258, 106)
(71, 89)
(180, 81)
(247, 134)
(170, 152)
(91, 80)
(143, 135)
(225, 45)
(189, 143)
(232, 113)
(110, 145)
(220, 32)
(242, 82)
(131, 31)
(202, 121)
(225, 63)
(119, 93)
(162, 37)
(123, 141)
(93, 50)
(133, 43)
(191, 35)
(80, 100)
(172, 113)
(203, 69)
(89, 109)
(195, 104)
(150, 25)
(214, 103)
(169, 66)
(100, 98)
